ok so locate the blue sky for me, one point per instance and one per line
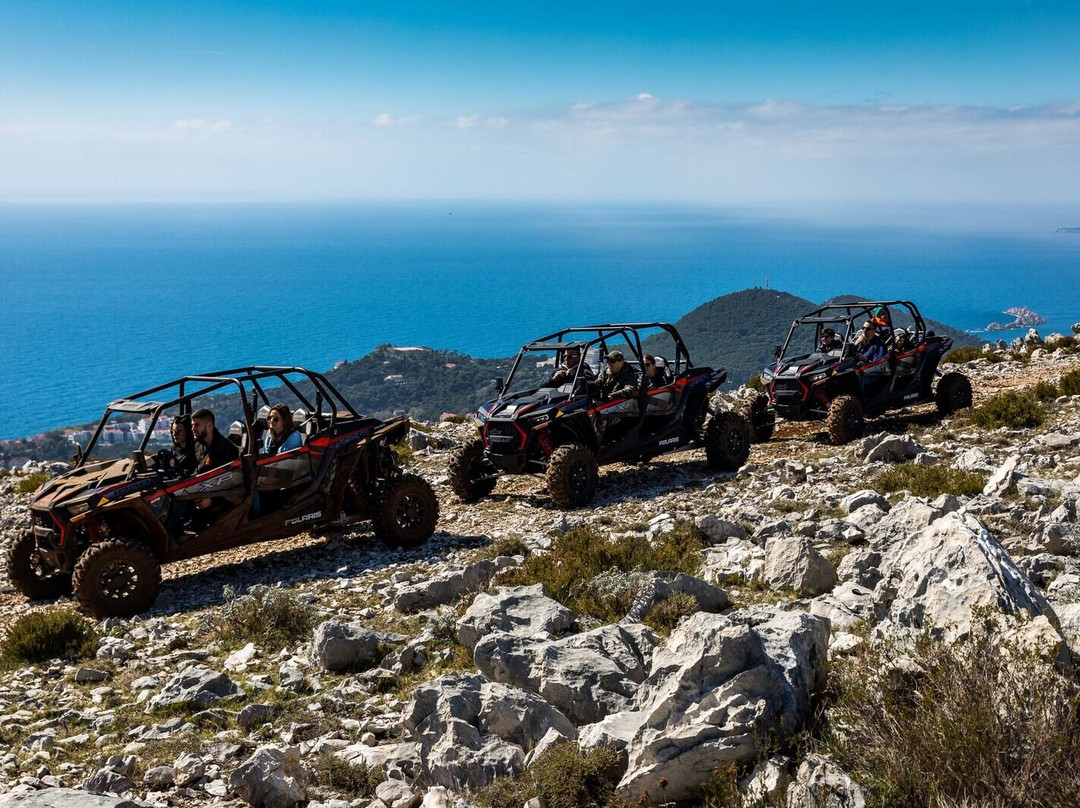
(707, 102)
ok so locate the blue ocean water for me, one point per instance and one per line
(101, 301)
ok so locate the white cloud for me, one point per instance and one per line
(386, 119)
(189, 125)
(466, 121)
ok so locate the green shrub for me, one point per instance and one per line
(52, 634)
(977, 722)
(666, 614)
(961, 355)
(1016, 409)
(352, 779)
(562, 777)
(929, 481)
(29, 484)
(1045, 391)
(581, 554)
(1069, 383)
(269, 616)
(755, 383)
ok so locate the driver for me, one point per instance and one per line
(183, 445)
(830, 341)
(616, 380)
(566, 373)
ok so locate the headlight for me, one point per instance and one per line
(480, 417)
(78, 507)
(766, 376)
(817, 377)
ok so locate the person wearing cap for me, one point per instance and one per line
(868, 346)
(616, 380)
(881, 318)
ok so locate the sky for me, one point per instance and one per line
(708, 102)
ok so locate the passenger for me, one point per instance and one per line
(883, 320)
(566, 373)
(868, 347)
(212, 450)
(830, 341)
(281, 434)
(901, 342)
(655, 375)
(183, 445)
(617, 380)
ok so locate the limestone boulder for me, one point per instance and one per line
(341, 647)
(793, 562)
(273, 777)
(468, 730)
(443, 588)
(820, 783)
(716, 689)
(586, 676)
(521, 610)
(195, 685)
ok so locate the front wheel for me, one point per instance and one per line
(953, 393)
(572, 475)
(117, 578)
(29, 573)
(471, 475)
(845, 419)
(406, 512)
(727, 441)
(755, 410)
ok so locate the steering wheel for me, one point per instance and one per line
(166, 463)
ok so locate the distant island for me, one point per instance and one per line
(1023, 317)
(1068, 230)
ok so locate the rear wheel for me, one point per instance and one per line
(117, 578)
(845, 419)
(406, 512)
(953, 393)
(29, 573)
(572, 475)
(755, 410)
(727, 441)
(471, 475)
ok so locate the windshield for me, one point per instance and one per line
(816, 337)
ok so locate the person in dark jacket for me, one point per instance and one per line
(616, 380)
(569, 369)
(868, 346)
(655, 374)
(183, 447)
(212, 448)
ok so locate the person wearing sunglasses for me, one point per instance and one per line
(656, 375)
(868, 346)
(281, 434)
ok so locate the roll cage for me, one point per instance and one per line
(587, 337)
(250, 382)
(849, 313)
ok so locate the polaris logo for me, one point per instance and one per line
(668, 441)
(307, 517)
(911, 395)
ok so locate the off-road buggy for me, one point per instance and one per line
(561, 429)
(105, 527)
(818, 377)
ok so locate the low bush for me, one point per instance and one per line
(581, 554)
(355, 780)
(960, 356)
(1016, 409)
(929, 481)
(43, 636)
(978, 722)
(666, 614)
(1069, 383)
(755, 383)
(29, 484)
(1045, 391)
(269, 616)
(562, 777)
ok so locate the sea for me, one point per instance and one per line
(101, 301)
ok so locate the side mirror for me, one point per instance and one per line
(77, 458)
(500, 385)
(776, 351)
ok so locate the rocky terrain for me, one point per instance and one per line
(349, 674)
